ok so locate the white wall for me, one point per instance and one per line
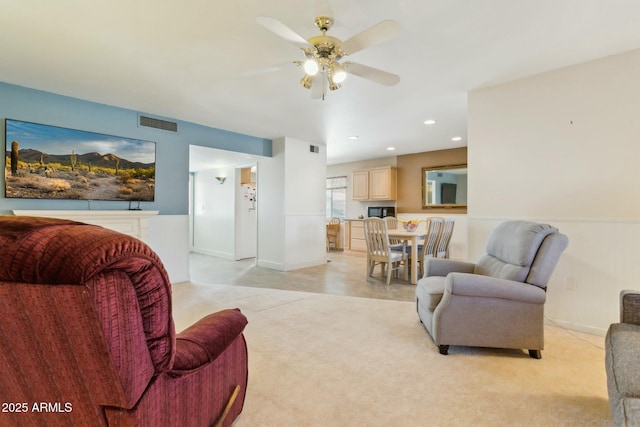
(169, 238)
(563, 148)
(271, 251)
(214, 213)
(305, 201)
(291, 213)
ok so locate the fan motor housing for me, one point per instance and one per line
(327, 46)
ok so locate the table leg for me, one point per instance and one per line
(405, 270)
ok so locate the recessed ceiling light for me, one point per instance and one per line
(391, 148)
(429, 122)
(456, 138)
(353, 137)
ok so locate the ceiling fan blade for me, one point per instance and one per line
(279, 29)
(376, 34)
(370, 73)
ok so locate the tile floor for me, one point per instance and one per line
(343, 274)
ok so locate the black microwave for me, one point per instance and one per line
(381, 211)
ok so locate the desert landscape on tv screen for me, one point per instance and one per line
(49, 162)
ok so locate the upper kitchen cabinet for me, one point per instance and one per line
(375, 184)
(360, 183)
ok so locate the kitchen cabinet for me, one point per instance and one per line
(246, 177)
(360, 184)
(383, 183)
(354, 238)
(375, 183)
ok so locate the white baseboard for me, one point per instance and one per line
(306, 264)
(271, 264)
(217, 254)
(576, 327)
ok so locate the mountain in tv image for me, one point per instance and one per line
(96, 159)
(34, 174)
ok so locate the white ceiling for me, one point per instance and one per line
(194, 60)
(204, 158)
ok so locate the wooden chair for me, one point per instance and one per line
(378, 249)
(428, 249)
(442, 247)
(333, 228)
(392, 224)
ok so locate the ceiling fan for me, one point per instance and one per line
(323, 53)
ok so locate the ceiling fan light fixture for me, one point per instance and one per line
(306, 81)
(323, 53)
(311, 67)
(337, 73)
(333, 85)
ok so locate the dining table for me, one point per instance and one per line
(412, 238)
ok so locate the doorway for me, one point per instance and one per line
(223, 192)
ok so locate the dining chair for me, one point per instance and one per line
(376, 236)
(333, 228)
(392, 224)
(442, 247)
(428, 249)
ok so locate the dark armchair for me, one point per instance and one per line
(87, 336)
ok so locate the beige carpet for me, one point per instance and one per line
(325, 360)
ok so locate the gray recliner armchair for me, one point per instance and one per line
(622, 345)
(498, 301)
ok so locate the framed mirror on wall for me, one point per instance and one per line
(444, 187)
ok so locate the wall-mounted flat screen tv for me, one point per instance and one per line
(49, 162)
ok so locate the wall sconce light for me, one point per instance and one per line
(221, 179)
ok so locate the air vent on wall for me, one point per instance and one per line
(150, 122)
(314, 149)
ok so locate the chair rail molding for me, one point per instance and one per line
(132, 223)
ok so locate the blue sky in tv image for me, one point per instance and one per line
(60, 141)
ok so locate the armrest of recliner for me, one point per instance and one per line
(442, 267)
(206, 339)
(475, 285)
(630, 307)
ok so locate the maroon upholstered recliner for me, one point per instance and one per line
(87, 337)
